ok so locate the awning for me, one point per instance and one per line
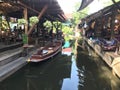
(84, 4)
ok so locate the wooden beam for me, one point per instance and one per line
(61, 17)
(39, 16)
(24, 5)
(26, 18)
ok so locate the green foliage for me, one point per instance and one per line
(47, 24)
(4, 25)
(22, 21)
(56, 25)
(57, 22)
(68, 32)
(33, 20)
(77, 15)
(0, 21)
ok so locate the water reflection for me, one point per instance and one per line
(97, 75)
(47, 75)
(64, 72)
(51, 77)
(72, 82)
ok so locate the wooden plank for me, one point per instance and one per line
(116, 66)
(24, 5)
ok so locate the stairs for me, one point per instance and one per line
(11, 59)
(10, 47)
(10, 55)
(9, 68)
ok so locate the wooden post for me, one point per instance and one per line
(39, 16)
(113, 22)
(26, 18)
(0, 22)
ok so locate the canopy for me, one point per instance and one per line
(14, 8)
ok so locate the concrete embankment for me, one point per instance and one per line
(11, 61)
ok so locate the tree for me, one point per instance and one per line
(67, 32)
(77, 15)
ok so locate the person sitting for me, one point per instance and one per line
(51, 34)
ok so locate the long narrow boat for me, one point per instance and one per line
(67, 51)
(46, 52)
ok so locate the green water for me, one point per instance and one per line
(63, 72)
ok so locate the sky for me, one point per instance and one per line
(68, 6)
(97, 5)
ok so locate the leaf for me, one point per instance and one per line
(22, 21)
(33, 20)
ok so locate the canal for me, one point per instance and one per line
(64, 72)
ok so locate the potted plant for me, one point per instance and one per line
(33, 20)
(47, 24)
(22, 21)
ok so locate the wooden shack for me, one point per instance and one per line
(104, 30)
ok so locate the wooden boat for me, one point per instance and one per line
(107, 45)
(67, 51)
(46, 52)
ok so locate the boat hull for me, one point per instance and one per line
(46, 52)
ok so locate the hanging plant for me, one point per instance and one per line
(22, 21)
(33, 20)
(47, 24)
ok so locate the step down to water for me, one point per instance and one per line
(10, 68)
(10, 55)
(10, 47)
